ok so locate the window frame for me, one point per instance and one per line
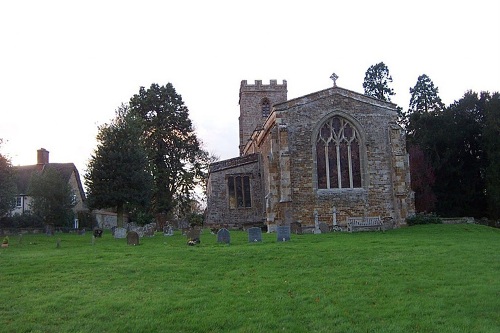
(239, 191)
(361, 140)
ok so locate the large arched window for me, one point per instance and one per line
(338, 155)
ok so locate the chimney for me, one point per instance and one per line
(42, 157)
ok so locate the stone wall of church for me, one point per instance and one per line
(219, 213)
(251, 96)
(385, 176)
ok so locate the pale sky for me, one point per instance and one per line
(65, 66)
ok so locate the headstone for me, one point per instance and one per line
(316, 222)
(193, 235)
(132, 238)
(283, 233)
(254, 234)
(296, 228)
(168, 230)
(223, 236)
(49, 230)
(120, 232)
(324, 228)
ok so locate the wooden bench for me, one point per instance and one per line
(366, 223)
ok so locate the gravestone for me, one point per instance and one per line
(49, 230)
(324, 228)
(132, 238)
(254, 234)
(168, 230)
(296, 228)
(283, 233)
(120, 232)
(223, 236)
(193, 235)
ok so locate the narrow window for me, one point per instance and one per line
(338, 155)
(265, 107)
(19, 202)
(239, 191)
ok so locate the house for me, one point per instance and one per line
(68, 171)
(331, 156)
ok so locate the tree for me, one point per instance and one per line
(7, 186)
(376, 83)
(424, 96)
(459, 159)
(422, 180)
(492, 150)
(118, 174)
(53, 197)
(174, 151)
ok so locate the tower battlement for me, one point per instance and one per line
(273, 84)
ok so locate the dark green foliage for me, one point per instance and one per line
(174, 151)
(25, 220)
(423, 219)
(118, 174)
(53, 198)
(492, 151)
(376, 83)
(424, 96)
(7, 186)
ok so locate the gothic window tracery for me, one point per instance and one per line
(338, 155)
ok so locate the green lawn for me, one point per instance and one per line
(433, 278)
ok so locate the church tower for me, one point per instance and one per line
(256, 101)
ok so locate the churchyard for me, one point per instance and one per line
(429, 278)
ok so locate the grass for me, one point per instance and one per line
(432, 278)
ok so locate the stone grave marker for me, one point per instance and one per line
(296, 228)
(254, 235)
(132, 238)
(283, 233)
(168, 230)
(120, 232)
(324, 228)
(223, 236)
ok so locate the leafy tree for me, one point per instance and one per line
(174, 151)
(458, 158)
(424, 96)
(422, 180)
(53, 197)
(492, 150)
(7, 186)
(376, 83)
(117, 174)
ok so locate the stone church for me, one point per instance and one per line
(331, 156)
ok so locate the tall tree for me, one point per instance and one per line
(424, 96)
(7, 185)
(492, 150)
(53, 198)
(118, 173)
(376, 83)
(174, 151)
(459, 160)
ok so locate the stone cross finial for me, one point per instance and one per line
(334, 77)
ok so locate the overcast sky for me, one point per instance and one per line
(65, 66)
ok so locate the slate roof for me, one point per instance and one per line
(25, 172)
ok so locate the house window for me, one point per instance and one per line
(265, 107)
(239, 191)
(19, 202)
(338, 155)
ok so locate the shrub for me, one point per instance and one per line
(423, 219)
